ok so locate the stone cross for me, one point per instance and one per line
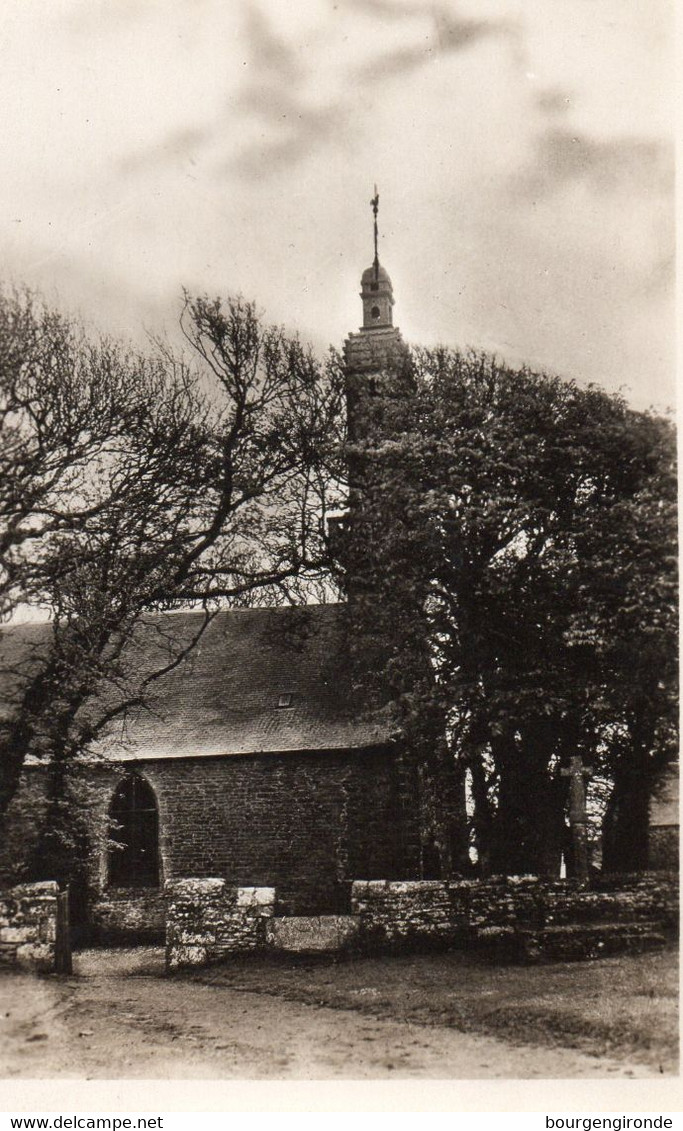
(578, 817)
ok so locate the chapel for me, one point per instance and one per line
(263, 759)
(268, 756)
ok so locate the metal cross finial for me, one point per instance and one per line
(375, 206)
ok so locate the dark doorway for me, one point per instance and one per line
(134, 830)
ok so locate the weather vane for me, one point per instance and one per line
(375, 206)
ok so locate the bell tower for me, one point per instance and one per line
(379, 384)
(375, 284)
(375, 357)
(377, 296)
(372, 537)
(383, 573)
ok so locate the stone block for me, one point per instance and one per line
(312, 934)
(191, 889)
(189, 938)
(17, 934)
(261, 899)
(418, 887)
(8, 954)
(47, 929)
(186, 956)
(369, 887)
(460, 887)
(33, 891)
(36, 956)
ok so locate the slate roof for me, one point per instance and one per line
(223, 698)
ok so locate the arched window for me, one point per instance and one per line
(134, 829)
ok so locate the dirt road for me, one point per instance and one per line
(119, 1017)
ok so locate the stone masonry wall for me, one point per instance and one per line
(304, 823)
(128, 916)
(434, 913)
(208, 920)
(28, 926)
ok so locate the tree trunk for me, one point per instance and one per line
(626, 822)
(528, 826)
(625, 826)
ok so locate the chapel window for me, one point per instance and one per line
(134, 831)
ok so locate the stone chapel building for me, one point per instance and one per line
(261, 760)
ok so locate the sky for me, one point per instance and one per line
(522, 150)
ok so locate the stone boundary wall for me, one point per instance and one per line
(28, 926)
(415, 914)
(208, 920)
(128, 917)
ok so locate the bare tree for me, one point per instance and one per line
(132, 484)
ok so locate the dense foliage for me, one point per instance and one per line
(525, 526)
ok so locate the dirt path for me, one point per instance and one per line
(119, 1017)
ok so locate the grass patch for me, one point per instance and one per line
(623, 1006)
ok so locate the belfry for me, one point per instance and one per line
(375, 356)
(376, 291)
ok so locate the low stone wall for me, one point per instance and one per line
(28, 926)
(208, 920)
(128, 917)
(399, 915)
(437, 913)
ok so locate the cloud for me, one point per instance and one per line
(178, 146)
(455, 34)
(290, 124)
(296, 124)
(398, 62)
(554, 101)
(295, 131)
(274, 114)
(563, 156)
(272, 71)
(269, 52)
(391, 9)
(448, 33)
